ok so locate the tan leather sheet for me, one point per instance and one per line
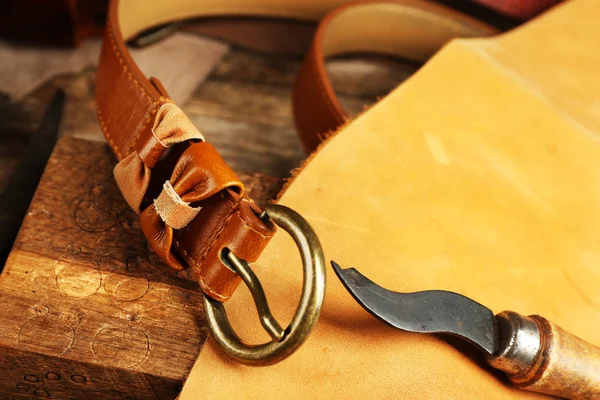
(481, 175)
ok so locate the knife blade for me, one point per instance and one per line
(430, 311)
(534, 353)
(17, 195)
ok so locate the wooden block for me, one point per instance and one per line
(87, 309)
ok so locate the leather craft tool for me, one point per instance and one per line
(534, 353)
(15, 199)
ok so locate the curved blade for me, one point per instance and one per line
(430, 311)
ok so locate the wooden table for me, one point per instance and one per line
(87, 309)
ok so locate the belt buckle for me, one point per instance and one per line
(284, 341)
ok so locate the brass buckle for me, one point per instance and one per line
(285, 341)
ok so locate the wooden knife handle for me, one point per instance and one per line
(540, 356)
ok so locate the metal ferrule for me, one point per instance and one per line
(519, 346)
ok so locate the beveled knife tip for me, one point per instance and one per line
(350, 277)
(341, 272)
(336, 266)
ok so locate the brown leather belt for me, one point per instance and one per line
(192, 206)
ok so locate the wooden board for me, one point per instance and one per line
(87, 309)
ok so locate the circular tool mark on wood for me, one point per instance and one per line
(190, 301)
(41, 393)
(134, 294)
(53, 376)
(31, 378)
(123, 347)
(94, 212)
(71, 317)
(77, 275)
(131, 289)
(41, 275)
(40, 280)
(79, 379)
(47, 334)
(41, 310)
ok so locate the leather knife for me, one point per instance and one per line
(534, 353)
(15, 199)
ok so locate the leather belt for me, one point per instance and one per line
(192, 206)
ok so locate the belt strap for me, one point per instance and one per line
(191, 204)
(409, 29)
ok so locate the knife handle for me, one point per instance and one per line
(539, 356)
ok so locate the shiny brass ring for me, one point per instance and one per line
(284, 342)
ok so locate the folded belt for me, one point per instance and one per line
(191, 204)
